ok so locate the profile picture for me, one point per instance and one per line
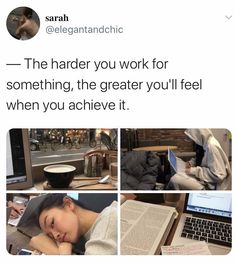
(23, 23)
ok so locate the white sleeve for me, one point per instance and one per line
(215, 170)
(103, 240)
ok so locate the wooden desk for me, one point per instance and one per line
(79, 180)
(156, 148)
(17, 240)
(179, 208)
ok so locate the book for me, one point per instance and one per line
(144, 227)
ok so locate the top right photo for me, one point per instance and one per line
(176, 159)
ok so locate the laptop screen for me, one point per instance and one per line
(172, 159)
(18, 161)
(217, 204)
(16, 171)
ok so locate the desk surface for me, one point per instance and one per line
(79, 183)
(16, 240)
(179, 208)
(156, 148)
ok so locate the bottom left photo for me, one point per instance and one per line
(61, 223)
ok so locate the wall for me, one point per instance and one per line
(165, 137)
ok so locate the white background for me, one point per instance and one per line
(194, 36)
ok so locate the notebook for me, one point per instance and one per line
(206, 217)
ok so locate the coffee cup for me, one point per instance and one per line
(59, 176)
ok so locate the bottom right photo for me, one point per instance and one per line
(196, 223)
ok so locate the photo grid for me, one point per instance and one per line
(118, 191)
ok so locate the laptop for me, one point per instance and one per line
(206, 217)
(177, 164)
(19, 168)
(27, 223)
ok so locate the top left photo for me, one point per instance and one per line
(61, 159)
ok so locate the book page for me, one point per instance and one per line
(143, 226)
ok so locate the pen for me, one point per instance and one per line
(10, 248)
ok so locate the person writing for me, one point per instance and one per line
(65, 221)
(16, 209)
(211, 172)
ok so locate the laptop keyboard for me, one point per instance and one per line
(207, 230)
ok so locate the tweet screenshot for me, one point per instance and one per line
(117, 130)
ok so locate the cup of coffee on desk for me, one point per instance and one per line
(59, 176)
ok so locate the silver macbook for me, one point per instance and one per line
(176, 163)
(206, 217)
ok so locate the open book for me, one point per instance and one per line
(144, 227)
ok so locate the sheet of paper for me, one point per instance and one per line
(198, 248)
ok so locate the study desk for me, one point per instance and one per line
(16, 240)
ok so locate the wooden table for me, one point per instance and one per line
(79, 181)
(179, 208)
(78, 184)
(16, 240)
(156, 148)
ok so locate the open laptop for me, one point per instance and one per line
(206, 217)
(18, 160)
(27, 222)
(177, 164)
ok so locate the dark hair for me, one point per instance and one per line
(55, 200)
(28, 12)
(199, 154)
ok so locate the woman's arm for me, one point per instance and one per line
(16, 209)
(65, 248)
(48, 246)
(44, 244)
